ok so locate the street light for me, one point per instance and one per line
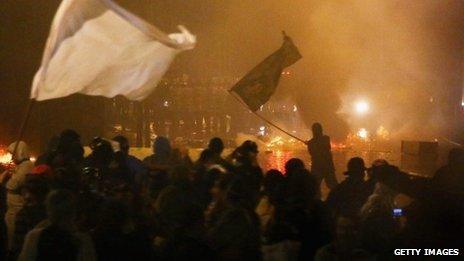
(361, 107)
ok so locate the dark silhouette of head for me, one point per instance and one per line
(356, 167)
(274, 186)
(68, 138)
(69, 145)
(123, 143)
(293, 165)
(102, 151)
(249, 147)
(70, 135)
(216, 145)
(317, 130)
(162, 147)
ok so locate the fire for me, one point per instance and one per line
(6, 159)
(363, 134)
(337, 145)
(276, 141)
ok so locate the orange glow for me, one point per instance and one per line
(5, 157)
(337, 145)
(363, 134)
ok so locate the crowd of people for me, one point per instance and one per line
(110, 205)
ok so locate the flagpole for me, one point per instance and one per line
(266, 120)
(22, 129)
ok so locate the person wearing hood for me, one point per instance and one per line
(158, 165)
(13, 180)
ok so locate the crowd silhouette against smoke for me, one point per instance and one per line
(110, 205)
(366, 64)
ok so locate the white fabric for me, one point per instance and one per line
(95, 47)
(22, 150)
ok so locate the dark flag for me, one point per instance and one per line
(257, 87)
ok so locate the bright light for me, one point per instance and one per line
(362, 107)
(363, 133)
(277, 140)
(462, 103)
(5, 157)
(295, 109)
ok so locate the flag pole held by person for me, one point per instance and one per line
(259, 84)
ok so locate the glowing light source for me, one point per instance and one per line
(5, 157)
(276, 141)
(363, 133)
(361, 107)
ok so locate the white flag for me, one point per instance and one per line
(96, 47)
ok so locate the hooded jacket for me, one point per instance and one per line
(22, 168)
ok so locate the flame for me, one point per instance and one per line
(363, 134)
(5, 157)
(337, 145)
(276, 141)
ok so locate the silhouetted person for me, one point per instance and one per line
(179, 231)
(350, 195)
(58, 240)
(50, 152)
(308, 216)
(322, 166)
(137, 170)
(346, 244)
(159, 164)
(14, 179)
(101, 158)
(247, 167)
(69, 151)
(162, 154)
(235, 233)
(378, 228)
(450, 177)
(216, 146)
(293, 166)
(34, 192)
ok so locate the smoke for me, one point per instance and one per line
(406, 66)
(403, 57)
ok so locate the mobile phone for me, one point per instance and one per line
(397, 212)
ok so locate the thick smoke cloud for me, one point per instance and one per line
(404, 57)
